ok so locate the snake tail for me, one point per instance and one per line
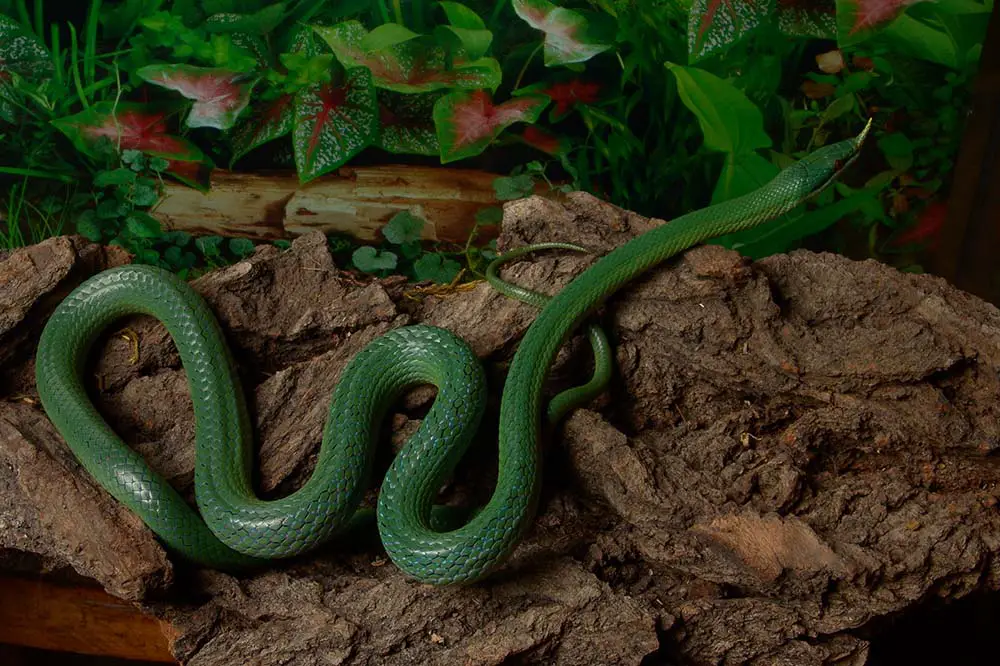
(567, 400)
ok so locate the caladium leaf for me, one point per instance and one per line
(407, 123)
(568, 34)
(808, 18)
(219, 94)
(566, 94)
(258, 23)
(196, 174)
(130, 125)
(467, 122)
(544, 140)
(857, 20)
(22, 52)
(266, 123)
(415, 65)
(714, 25)
(333, 123)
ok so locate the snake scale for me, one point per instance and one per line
(236, 529)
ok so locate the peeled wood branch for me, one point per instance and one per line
(355, 201)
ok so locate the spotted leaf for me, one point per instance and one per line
(129, 126)
(415, 65)
(857, 20)
(467, 122)
(714, 25)
(258, 23)
(808, 18)
(219, 94)
(266, 122)
(569, 35)
(333, 123)
(407, 123)
(21, 52)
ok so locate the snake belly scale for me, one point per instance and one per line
(236, 529)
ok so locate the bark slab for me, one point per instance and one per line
(792, 452)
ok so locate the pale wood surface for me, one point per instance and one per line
(357, 201)
(42, 614)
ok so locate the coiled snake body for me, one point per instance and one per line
(237, 529)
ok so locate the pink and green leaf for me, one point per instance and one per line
(130, 125)
(407, 123)
(220, 95)
(857, 20)
(566, 94)
(715, 25)
(333, 123)
(546, 141)
(467, 122)
(266, 123)
(415, 65)
(808, 18)
(196, 174)
(568, 34)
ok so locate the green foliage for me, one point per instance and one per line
(659, 107)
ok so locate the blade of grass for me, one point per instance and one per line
(75, 66)
(495, 16)
(49, 175)
(22, 11)
(90, 47)
(40, 19)
(56, 54)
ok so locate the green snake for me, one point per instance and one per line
(236, 529)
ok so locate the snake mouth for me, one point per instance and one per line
(841, 165)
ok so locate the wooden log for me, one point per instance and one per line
(356, 201)
(86, 620)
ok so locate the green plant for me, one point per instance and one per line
(403, 252)
(660, 107)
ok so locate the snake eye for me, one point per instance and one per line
(838, 165)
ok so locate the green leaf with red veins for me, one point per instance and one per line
(266, 123)
(220, 95)
(857, 20)
(566, 32)
(416, 65)
(808, 18)
(467, 122)
(333, 123)
(714, 25)
(407, 123)
(130, 125)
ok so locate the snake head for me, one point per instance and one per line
(819, 169)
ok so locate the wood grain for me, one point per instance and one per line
(42, 614)
(357, 201)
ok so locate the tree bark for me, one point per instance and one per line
(792, 452)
